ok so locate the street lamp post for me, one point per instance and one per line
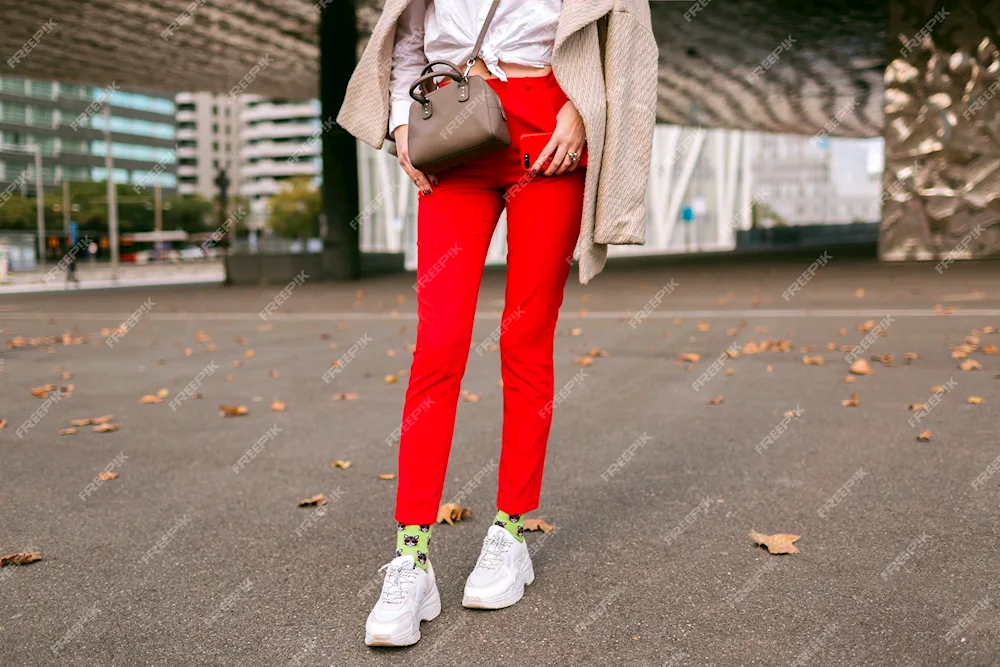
(112, 193)
(37, 150)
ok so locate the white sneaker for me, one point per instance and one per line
(409, 595)
(501, 573)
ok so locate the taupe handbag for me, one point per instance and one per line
(456, 123)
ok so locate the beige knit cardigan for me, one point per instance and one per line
(606, 61)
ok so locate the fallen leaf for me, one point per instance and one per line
(470, 397)
(975, 400)
(915, 406)
(149, 398)
(910, 356)
(202, 337)
(318, 499)
(104, 419)
(769, 368)
(575, 331)
(850, 378)
(924, 437)
(860, 293)
(278, 406)
(779, 543)
(232, 411)
(732, 332)
(345, 397)
(584, 361)
(264, 327)
(249, 354)
(704, 326)
(273, 374)
(188, 352)
(340, 463)
(989, 348)
(391, 379)
(108, 475)
(937, 389)
(861, 367)
(42, 391)
(730, 371)
(237, 363)
(692, 357)
(851, 402)
(67, 431)
(229, 377)
(23, 558)
(210, 347)
(66, 375)
(451, 512)
(597, 352)
(240, 339)
(390, 353)
(538, 524)
(867, 326)
(842, 331)
(813, 361)
(714, 401)
(3, 422)
(387, 475)
(970, 365)
(959, 353)
(830, 347)
(105, 428)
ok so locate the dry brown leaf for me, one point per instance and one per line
(959, 353)
(387, 475)
(103, 419)
(910, 356)
(108, 475)
(861, 367)
(202, 337)
(68, 431)
(278, 406)
(813, 361)
(915, 406)
(944, 310)
(937, 389)
(924, 437)
(390, 353)
(867, 326)
(232, 411)
(860, 292)
(23, 558)
(188, 352)
(240, 339)
(273, 374)
(988, 330)
(318, 499)
(538, 524)
(149, 398)
(989, 348)
(597, 352)
(249, 354)
(850, 378)
(691, 357)
(340, 463)
(770, 368)
(807, 348)
(230, 377)
(470, 397)
(975, 400)
(237, 363)
(851, 402)
(105, 428)
(830, 347)
(66, 375)
(42, 391)
(970, 365)
(732, 332)
(264, 327)
(842, 331)
(584, 361)
(779, 543)
(730, 371)
(575, 331)
(791, 413)
(210, 347)
(345, 397)
(884, 359)
(704, 326)
(714, 401)
(391, 379)
(451, 512)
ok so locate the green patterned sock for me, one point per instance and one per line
(414, 540)
(514, 523)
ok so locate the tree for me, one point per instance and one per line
(187, 212)
(294, 210)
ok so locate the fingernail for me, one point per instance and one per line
(534, 172)
(427, 193)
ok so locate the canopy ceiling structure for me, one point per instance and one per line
(836, 54)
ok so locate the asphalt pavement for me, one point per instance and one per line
(183, 560)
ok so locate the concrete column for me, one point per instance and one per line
(338, 41)
(941, 184)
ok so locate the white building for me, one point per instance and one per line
(208, 139)
(281, 139)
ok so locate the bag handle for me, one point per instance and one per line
(482, 37)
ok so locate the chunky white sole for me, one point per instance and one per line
(407, 636)
(507, 598)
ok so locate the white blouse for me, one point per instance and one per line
(522, 33)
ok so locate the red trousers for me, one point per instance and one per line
(454, 227)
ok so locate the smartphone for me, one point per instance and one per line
(532, 146)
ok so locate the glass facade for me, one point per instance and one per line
(134, 152)
(142, 128)
(136, 101)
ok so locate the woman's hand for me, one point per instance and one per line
(570, 136)
(423, 183)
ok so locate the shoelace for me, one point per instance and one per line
(398, 581)
(494, 549)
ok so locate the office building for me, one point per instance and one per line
(208, 139)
